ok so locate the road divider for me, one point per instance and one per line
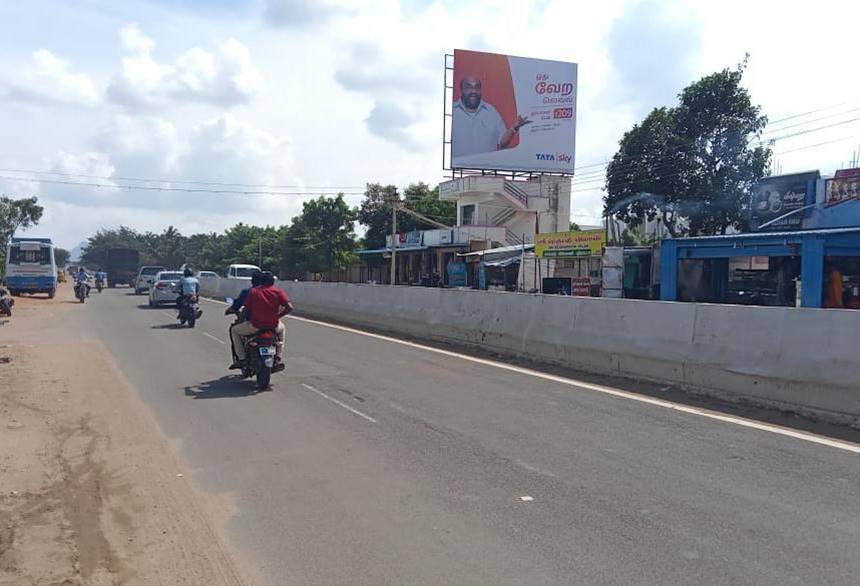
(792, 359)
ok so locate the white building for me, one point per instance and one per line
(521, 208)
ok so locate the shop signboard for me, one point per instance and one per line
(773, 197)
(570, 244)
(844, 188)
(457, 274)
(582, 286)
(513, 113)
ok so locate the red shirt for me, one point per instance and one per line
(264, 304)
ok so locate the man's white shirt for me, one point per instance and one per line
(475, 132)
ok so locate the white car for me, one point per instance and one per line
(241, 272)
(165, 288)
(145, 278)
(207, 275)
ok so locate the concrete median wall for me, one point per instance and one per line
(803, 360)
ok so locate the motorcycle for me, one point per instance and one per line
(188, 310)
(100, 284)
(260, 350)
(81, 291)
(6, 304)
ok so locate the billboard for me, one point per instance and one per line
(844, 186)
(567, 244)
(513, 113)
(773, 197)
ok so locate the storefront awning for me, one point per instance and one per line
(503, 263)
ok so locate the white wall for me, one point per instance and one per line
(803, 360)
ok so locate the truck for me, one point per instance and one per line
(121, 266)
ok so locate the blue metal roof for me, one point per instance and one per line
(745, 235)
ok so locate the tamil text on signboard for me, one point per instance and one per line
(513, 113)
(567, 244)
(777, 201)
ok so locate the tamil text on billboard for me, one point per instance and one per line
(513, 113)
(777, 201)
(567, 244)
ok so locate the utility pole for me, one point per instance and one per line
(260, 251)
(394, 238)
(394, 201)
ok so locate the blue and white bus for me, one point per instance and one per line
(30, 266)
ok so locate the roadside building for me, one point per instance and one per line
(803, 249)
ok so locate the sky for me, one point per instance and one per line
(306, 97)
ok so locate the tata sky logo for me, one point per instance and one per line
(560, 157)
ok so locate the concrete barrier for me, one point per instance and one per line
(801, 360)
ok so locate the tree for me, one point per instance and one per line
(574, 227)
(17, 214)
(94, 253)
(322, 238)
(693, 166)
(61, 257)
(375, 212)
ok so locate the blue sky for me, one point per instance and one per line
(337, 93)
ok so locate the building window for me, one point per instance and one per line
(468, 215)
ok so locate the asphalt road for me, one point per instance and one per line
(373, 462)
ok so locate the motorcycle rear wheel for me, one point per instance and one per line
(264, 376)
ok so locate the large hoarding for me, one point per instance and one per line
(513, 113)
(775, 197)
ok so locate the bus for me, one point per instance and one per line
(30, 266)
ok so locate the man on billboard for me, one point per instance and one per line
(477, 126)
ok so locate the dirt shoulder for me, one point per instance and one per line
(90, 490)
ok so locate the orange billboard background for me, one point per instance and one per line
(497, 86)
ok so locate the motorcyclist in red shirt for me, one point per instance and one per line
(266, 304)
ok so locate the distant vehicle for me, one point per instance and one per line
(164, 288)
(30, 266)
(145, 278)
(188, 311)
(6, 304)
(81, 291)
(121, 266)
(242, 272)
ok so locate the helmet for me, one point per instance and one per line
(188, 272)
(257, 278)
(268, 278)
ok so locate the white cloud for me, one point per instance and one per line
(49, 79)
(300, 13)
(391, 122)
(224, 78)
(654, 55)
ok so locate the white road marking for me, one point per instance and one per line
(527, 499)
(344, 405)
(706, 413)
(211, 337)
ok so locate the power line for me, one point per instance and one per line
(169, 189)
(177, 181)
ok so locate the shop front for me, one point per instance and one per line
(807, 268)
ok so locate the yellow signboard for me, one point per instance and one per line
(567, 244)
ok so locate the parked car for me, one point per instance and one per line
(145, 278)
(164, 288)
(242, 272)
